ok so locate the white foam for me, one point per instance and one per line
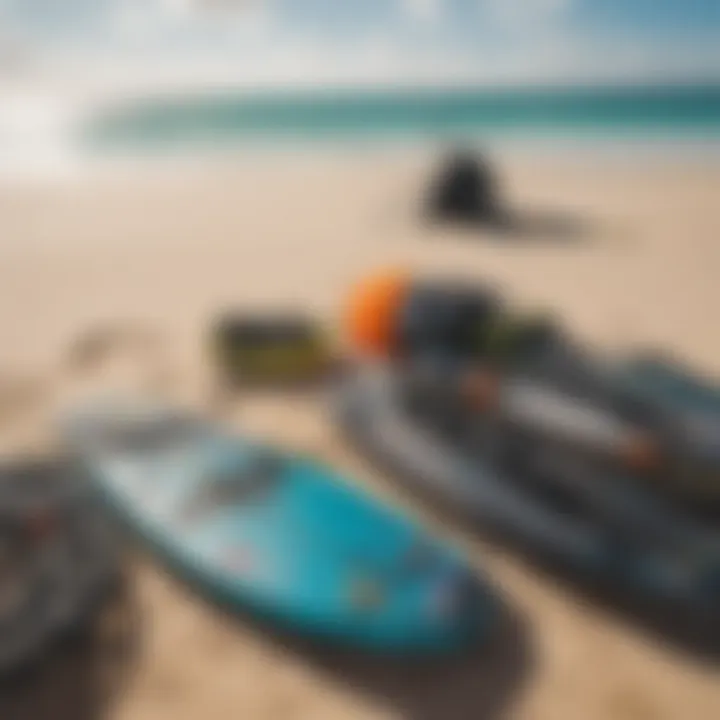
(36, 136)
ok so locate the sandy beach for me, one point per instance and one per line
(161, 251)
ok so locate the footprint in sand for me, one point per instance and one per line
(24, 401)
(118, 358)
(19, 396)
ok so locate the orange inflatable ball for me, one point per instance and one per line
(372, 312)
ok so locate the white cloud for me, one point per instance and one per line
(525, 13)
(207, 42)
(422, 10)
(200, 8)
(160, 21)
(527, 7)
(179, 8)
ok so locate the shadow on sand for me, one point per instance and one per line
(675, 628)
(80, 679)
(529, 226)
(480, 682)
(541, 226)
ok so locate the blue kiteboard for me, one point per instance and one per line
(281, 535)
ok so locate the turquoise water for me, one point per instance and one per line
(645, 112)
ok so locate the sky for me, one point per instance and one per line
(346, 42)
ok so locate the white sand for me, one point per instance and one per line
(166, 250)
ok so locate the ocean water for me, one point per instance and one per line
(636, 113)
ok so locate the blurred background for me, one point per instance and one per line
(163, 161)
